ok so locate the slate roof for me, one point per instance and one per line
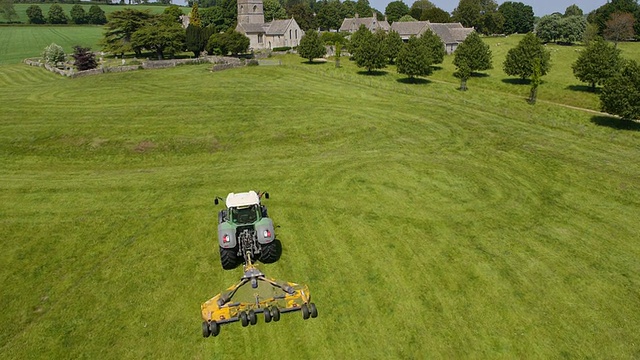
(277, 27)
(372, 23)
(450, 33)
(252, 28)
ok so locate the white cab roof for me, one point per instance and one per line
(242, 199)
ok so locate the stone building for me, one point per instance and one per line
(273, 34)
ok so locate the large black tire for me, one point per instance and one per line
(228, 258)
(269, 253)
(313, 310)
(267, 315)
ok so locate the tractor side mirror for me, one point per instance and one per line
(266, 195)
(215, 201)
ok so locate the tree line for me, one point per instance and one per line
(56, 15)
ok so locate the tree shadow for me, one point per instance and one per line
(436, 68)
(615, 123)
(372, 73)
(414, 81)
(314, 62)
(479, 75)
(583, 88)
(516, 81)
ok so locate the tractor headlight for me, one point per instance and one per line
(267, 233)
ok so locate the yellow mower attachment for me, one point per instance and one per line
(265, 296)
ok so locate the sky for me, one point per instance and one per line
(540, 7)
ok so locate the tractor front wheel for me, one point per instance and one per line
(313, 310)
(305, 311)
(228, 258)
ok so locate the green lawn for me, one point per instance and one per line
(20, 42)
(428, 223)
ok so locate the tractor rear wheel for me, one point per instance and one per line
(214, 328)
(253, 319)
(205, 329)
(228, 258)
(269, 253)
(313, 310)
(305, 311)
(244, 319)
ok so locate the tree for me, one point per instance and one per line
(357, 38)
(363, 8)
(561, 29)
(78, 15)
(619, 27)
(311, 46)
(621, 93)
(303, 14)
(473, 54)
(520, 59)
(468, 13)
(230, 41)
(8, 11)
(435, 47)
(174, 12)
(601, 15)
(597, 63)
(370, 52)
(161, 35)
(34, 13)
(196, 38)
(406, 18)
(590, 34)
(413, 59)
(328, 17)
(273, 10)
(96, 15)
(536, 80)
(194, 16)
(214, 16)
(518, 17)
(418, 7)
(573, 10)
(393, 45)
(491, 23)
(463, 72)
(84, 58)
(53, 54)
(56, 15)
(435, 15)
(395, 10)
(120, 27)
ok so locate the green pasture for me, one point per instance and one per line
(20, 42)
(427, 222)
(21, 9)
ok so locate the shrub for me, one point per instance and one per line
(53, 54)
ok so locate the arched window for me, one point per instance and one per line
(296, 33)
(255, 8)
(290, 34)
(241, 8)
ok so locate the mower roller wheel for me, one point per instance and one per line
(205, 329)
(214, 328)
(243, 318)
(313, 310)
(275, 314)
(253, 318)
(267, 315)
(305, 311)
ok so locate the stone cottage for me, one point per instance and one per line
(451, 34)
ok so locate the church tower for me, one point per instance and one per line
(250, 12)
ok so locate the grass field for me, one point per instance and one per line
(21, 9)
(20, 42)
(428, 223)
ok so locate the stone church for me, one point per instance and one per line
(273, 34)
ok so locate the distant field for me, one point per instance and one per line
(21, 9)
(427, 222)
(21, 42)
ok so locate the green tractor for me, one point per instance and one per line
(245, 232)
